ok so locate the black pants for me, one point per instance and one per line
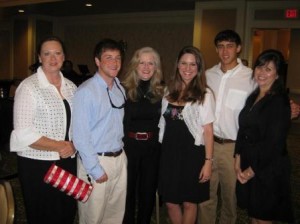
(44, 203)
(143, 164)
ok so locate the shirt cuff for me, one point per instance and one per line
(23, 138)
(97, 172)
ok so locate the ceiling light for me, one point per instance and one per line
(21, 10)
(88, 5)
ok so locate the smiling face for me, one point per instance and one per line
(187, 67)
(51, 56)
(265, 75)
(146, 66)
(228, 53)
(109, 64)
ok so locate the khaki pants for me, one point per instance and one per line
(106, 204)
(223, 173)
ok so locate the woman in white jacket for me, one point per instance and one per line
(41, 136)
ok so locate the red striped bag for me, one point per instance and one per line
(68, 183)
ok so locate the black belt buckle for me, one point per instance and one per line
(117, 153)
(141, 136)
(219, 140)
(222, 140)
(111, 154)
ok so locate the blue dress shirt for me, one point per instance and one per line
(97, 126)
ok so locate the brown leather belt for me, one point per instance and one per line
(140, 136)
(110, 154)
(222, 140)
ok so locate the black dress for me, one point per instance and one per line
(181, 162)
(261, 143)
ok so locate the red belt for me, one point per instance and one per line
(140, 136)
(222, 140)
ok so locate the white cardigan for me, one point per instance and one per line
(194, 115)
(39, 111)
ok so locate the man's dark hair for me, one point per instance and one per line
(107, 44)
(228, 35)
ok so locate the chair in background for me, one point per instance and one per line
(7, 204)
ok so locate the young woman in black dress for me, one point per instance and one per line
(186, 134)
(261, 159)
(143, 84)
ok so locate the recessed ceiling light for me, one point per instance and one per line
(88, 5)
(21, 10)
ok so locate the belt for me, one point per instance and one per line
(110, 154)
(140, 136)
(222, 140)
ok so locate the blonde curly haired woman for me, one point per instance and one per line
(144, 88)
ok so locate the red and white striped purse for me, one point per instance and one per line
(68, 183)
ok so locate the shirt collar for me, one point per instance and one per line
(44, 82)
(101, 81)
(230, 71)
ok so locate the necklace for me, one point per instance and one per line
(142, 93)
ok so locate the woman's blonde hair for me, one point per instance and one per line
(131, 80)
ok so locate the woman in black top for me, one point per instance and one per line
(261, 158)
(143, 84)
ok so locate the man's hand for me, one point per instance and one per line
(102, 179)
(295, 109)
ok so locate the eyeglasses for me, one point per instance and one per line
(111, 103)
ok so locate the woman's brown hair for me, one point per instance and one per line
(193, 92)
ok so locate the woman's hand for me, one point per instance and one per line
(206, 170)
(243, 176)
(248, 174)
(66, 149)
(237, 167)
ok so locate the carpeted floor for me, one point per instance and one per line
(8, 166)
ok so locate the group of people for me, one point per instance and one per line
(138, 135)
